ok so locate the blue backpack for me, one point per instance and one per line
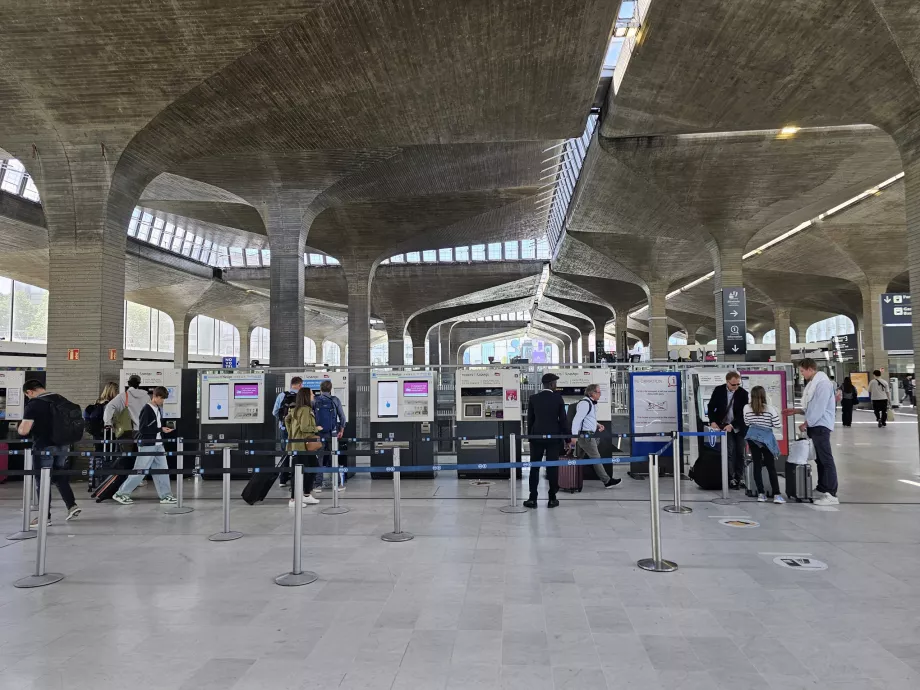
(325, 413)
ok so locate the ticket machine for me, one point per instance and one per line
(402, 413)
(488, 405)
(12, 406)
(180, 407)
(339, 379)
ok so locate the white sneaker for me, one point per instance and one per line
(761, 498)
(317, 489)
(341, 488)
(828, 500)
(779, 499)
(308, 500)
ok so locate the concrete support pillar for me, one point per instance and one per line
(181, 323)
(396, 344)
(418, 354)
(434, 346)
(619, 327)
(358, 275)
(599, 348)
(585, 337)
(658, 321)
(728, 274)
(245, 338)
(781, 323)
(876, 356)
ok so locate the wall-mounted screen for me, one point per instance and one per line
(246, 391)
(415, 389)
(472, 410)
(219, 401)
(387, 399)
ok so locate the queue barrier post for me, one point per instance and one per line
(677, 507)
(336, 509)
(397, 534)
(227, 534)
(297, 576)
(656, 563)
(725, 500)
(26, 532)
(513, 507)
(179, 508)
(41, 578)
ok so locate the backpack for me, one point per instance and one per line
(93, 420)
(66, 420)
(325, 413)
(287, 405)
(572, 411)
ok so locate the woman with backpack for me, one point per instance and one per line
(848, 400)
(761, 419)
(94, 413)
(301, 428)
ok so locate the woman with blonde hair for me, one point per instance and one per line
(761, 419)
(301, 428)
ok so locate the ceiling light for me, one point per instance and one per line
(631, 31)
(620, 32)
(789, 130)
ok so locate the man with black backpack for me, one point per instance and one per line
(54, 423)
(330, 416)
(582, 418)
(284, 403)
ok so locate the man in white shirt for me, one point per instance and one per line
(585, 420)
(880, 395)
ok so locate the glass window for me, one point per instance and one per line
(309, 351)
(229, 340)
(413, 257)
(137, 326)
(332, 261)
(503, 317)
(236, 256)
(260, 344)
(542, 248)
(495, 251)
(445, 254)
(6, 308)
(166, 332)
(143, 229)
(157, 232)
(528, 249)
(511, 250)
(316, 259)
(398, 259)
(168, 232)
(132, 226)
(266, 257)
(30, 313)
(187, 246)
(332, 353)
(479, 252)
(475, 353)
(627, 9)
(196, 252)
(252, 257)
(12, 176)
(178, 238)
(206, 335)
(31, 191)
(429, 256)
(462, 253)
(193, 337)
(380, 355)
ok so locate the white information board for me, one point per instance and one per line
(656, 402)
(313, 379)
(170, 379)
(405, 396)
(581, 378)
(509, 403)
(12, 399)
(233, 398)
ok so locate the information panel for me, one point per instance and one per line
(897, 318)
(314, 379)
(734, 321)
(488, 395)
(233, 398)
(654, 407)
(12, 399)
(170, 379)
(402, 396)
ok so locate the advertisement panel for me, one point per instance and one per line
(654, 407)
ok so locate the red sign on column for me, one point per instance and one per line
(73, 354)
(113, 354)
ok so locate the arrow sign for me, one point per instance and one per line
(734, 321)
(887, 299)
(735, 348)
(734, 313)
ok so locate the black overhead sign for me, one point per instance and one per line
(846, 348)
(734, 321)
(897, 319)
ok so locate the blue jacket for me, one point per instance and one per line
(763, 437)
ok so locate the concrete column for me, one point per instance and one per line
(434, 346)
(728, 274)
(599, 325)
(619, 328)
(658, 321)
(418, 353)
(876, 356)
(781, 325)
(396, 344)
(359, 345)
(245, 337)
(181, 323)
(585, 337)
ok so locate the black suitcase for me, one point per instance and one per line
(110, 484)
(798, 483)
(707, 471)
(260, 484)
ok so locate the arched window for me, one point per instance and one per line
(23, 312)
(828, 328)
(148, 329)
(309, 351)
(209, 336)
(751, 340)
(332, 354)
(678, 339)
(260, 344)
(769, 338)
(380, 354)
(408, 355)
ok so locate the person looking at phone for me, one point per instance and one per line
(149, 435)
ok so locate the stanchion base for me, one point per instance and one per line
(725, 501)
(397, 536)
(225, 536)
(22, 536)
(38, 580)
(296, 579)
(334, 511)
(514, 509)
(178, 511)
(654, 566)
(683, 510)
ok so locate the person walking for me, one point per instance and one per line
(545, 417)
(301, 426)
(284, 402)
(330, 416)
(47, 420)
(849, 398)
(761, 419)
(726, 413)
(149, 433)
(880, 394)
(910, 387)
(819, 407)
(134, 399)
(585, 420)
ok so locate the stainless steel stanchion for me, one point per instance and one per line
(41, 578)
(25, 532)
(678, 474)
(227, 534)
(725, 500)
(336, 509)
(656, 563)
(397, 534)
(297, 576)
(179, 508)
(514, 507)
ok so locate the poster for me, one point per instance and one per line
(774, 383)
(654, 408)
(860, 379)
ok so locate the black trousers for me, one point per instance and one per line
(847, 406)
(881, 411)
(761, 456)
(550, 449)
(736, 443)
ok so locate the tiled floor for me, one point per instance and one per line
(480, 599)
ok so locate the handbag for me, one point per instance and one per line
(122, 423)
(801, 452)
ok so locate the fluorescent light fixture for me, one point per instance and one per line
(789, 130)
(631, 31)
(909, 481)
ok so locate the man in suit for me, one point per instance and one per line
(545, 416)
(726, 412)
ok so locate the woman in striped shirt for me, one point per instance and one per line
(761, 419)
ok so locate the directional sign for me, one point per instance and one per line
(897, 319)
(846, 348)
(734, 321)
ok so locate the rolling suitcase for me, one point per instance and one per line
(798, 483)
(110, 484)
(570, 478)
(750, 486)
(4, 461)
(260, 484)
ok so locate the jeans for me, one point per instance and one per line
(588, 446)
(550, 448)
(827, 471)
(58, 460)
(761, 456)
(153, 462)
(880, 407)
